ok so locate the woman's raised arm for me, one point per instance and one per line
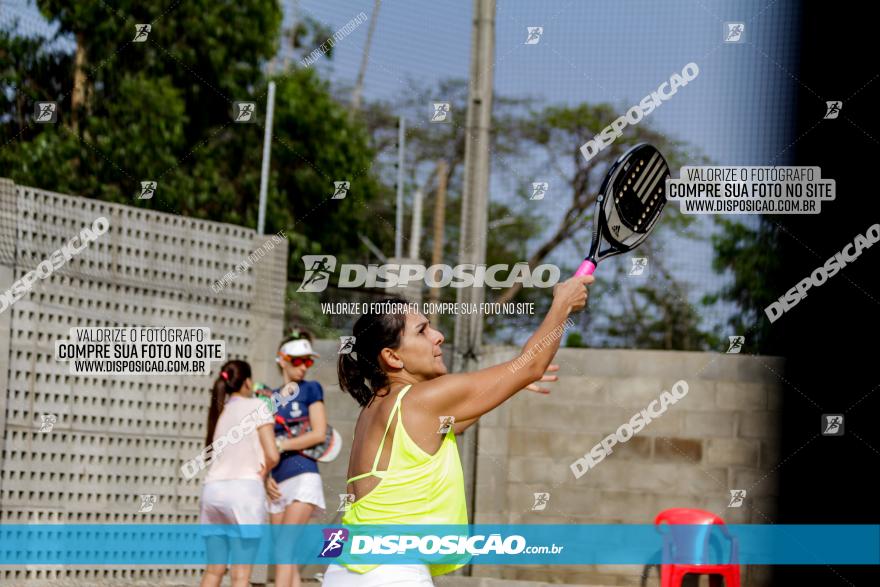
(470, 395)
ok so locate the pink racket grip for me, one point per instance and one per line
(586, 268)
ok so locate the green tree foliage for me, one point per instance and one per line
(750, 255)
(162, 110)
(652, 312)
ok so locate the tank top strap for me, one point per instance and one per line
(395, 410)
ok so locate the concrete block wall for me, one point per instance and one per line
(722, 435)
(117, 437)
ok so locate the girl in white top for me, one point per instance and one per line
(240, 432)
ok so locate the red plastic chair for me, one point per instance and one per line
(690, 546)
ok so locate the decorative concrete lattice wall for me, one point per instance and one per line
(117, 437)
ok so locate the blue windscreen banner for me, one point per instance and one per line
(515, 544)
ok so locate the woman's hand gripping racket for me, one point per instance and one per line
(628, 206)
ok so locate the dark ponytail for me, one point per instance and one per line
(231, 378)
(373, 332)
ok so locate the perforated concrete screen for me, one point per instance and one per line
(84, 449)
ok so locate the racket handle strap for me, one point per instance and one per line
(586, 268)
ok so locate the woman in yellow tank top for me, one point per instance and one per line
(404, 466)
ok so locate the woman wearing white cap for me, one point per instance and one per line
(295, 489)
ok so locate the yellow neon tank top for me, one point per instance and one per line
(416, 488)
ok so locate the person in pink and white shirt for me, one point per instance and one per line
(240, 432)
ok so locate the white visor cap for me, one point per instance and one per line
(298, 348)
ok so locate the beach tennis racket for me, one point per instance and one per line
(628, 206)
(325, 452)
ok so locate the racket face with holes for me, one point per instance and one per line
(629, 203)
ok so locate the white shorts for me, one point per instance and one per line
(396, 575)
(232, 502)
(305, 487)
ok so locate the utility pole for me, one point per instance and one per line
(475, 193)
(474, 212)
(439, 230)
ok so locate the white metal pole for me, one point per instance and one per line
(267, 152)
(415, 236)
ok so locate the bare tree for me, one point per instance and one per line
(559, 132)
